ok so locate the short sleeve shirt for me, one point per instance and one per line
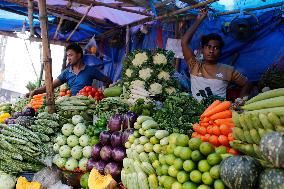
(207, 80)
(78, 81)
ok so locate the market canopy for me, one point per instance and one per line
(105, 17)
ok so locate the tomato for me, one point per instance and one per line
(89, 89)
(84, 93)
(62, 93)
(94, 90)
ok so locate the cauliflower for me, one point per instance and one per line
(139, 59)
(156, 88)
(164, 75)
(138, 83)
(145, 73)
(128, 72)
(159, 59)
(170, 90)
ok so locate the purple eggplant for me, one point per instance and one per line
(114, 169)
(17, 114)
(118, 154)
(105, 138)
(96, 151)
(126, 134)
(115, 123)
(28, 111)
(106, 152)
(116, 139)
(129, 119)
(10, 121)
(100, 166)
(90, 164)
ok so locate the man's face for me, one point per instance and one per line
(212, 51)
(72, 57)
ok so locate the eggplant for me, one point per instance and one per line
(106, 152)
(96, 151)
(129, 119)
(114, 169)
(100, 166)
(126, 134)
(29, 111)
(10, 121)
(115, 123)
(90, 164)
(118, 154)
(116, 139)
(105, 138)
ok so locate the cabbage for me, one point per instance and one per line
(77, 119)
(7, 181)
(79, 129)
(67, 129)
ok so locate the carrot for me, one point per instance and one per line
(233, 151)
(206, 119)
(216, 130)
(207, 136)
(230, 137)
(223, 121)
(195, 127)
(209, 129)
(223, 140)
(201, 130)
(204, 124)
(203, 138)
(225, 130)
(194, 135)
(214, 140)
(222, 115)
(211, 122)
(213, 105)
(219, 108)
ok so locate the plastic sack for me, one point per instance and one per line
(47, 176)
(59, 185)
(91, 47)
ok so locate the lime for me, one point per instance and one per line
(215, 172)
(156, 164)
(218, 184)
(170, 148)
(182, 176)
(203, 166)
(177, 150)
(182, 140)
(221, 150)
(207, 179)
(164, 169)
(170, 159)
(178, 163)
(203, 186)
(172, 171)
(185, 153)
(189, 185)
(196, 155)
(194, 143)
(162, 159)
(188, 165)
(195, 176)
(169, 181)
(206, 148)
(176, 185)
(173, 138)
(214, 159)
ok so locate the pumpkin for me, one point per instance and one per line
(98, 181)
(271, 179)
(272, 148)
(240, 172)
(23, 183)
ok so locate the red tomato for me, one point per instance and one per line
(89, 89)
(84, 93)
(94, 90)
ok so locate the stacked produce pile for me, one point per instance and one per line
(149, 73)
(107, 156)
(76, 105)
(142, 149)
(6, 108)
(263, 114)
(141, 107)
(94, 131)
(91, 92)
(72, 146)
(4, 116)
(20, 104)
(38, 102)
(179, 113)
(216, 125)
(110, 106)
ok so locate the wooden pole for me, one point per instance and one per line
(30, 15)
(127, 40)
(58, 27)
(82, 19)
(46, 57)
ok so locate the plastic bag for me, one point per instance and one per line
(59, 185)
(91, 47)
(47, 176)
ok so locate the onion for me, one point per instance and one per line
(96, 151)
(114, 169)
(118, 154)
(115, 123)
(116, 139)
(105, 153)
(105, 138)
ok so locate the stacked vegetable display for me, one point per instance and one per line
(216, 125)
(38, 101)
(72, 146)
(179, 113)
(91, 92)
(263, 114)
(107, 156)
(6, 108)
(142, 149)
(93, 131)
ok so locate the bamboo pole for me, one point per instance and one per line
(58, 27)
(127, 40)
(46, 57)
(82, 19)
(30, 15)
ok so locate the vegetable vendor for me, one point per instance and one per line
(210, 77)
(77, 74)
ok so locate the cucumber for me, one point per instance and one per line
(273, 118)
(265, 122)
(235, 117)
(267, 95)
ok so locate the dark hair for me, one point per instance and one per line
(212, 36)
(75, 47)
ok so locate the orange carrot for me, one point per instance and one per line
(204, 124)
(233, 151)
(201, 130)
(213, 105)
(223, 140)
(194, 135)
(214, 140)
(222, 115)
(216, 130)
(206, 119)
(230, 137)
(195, 127)
(223, 121)
(225, 130)
(219, 108)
